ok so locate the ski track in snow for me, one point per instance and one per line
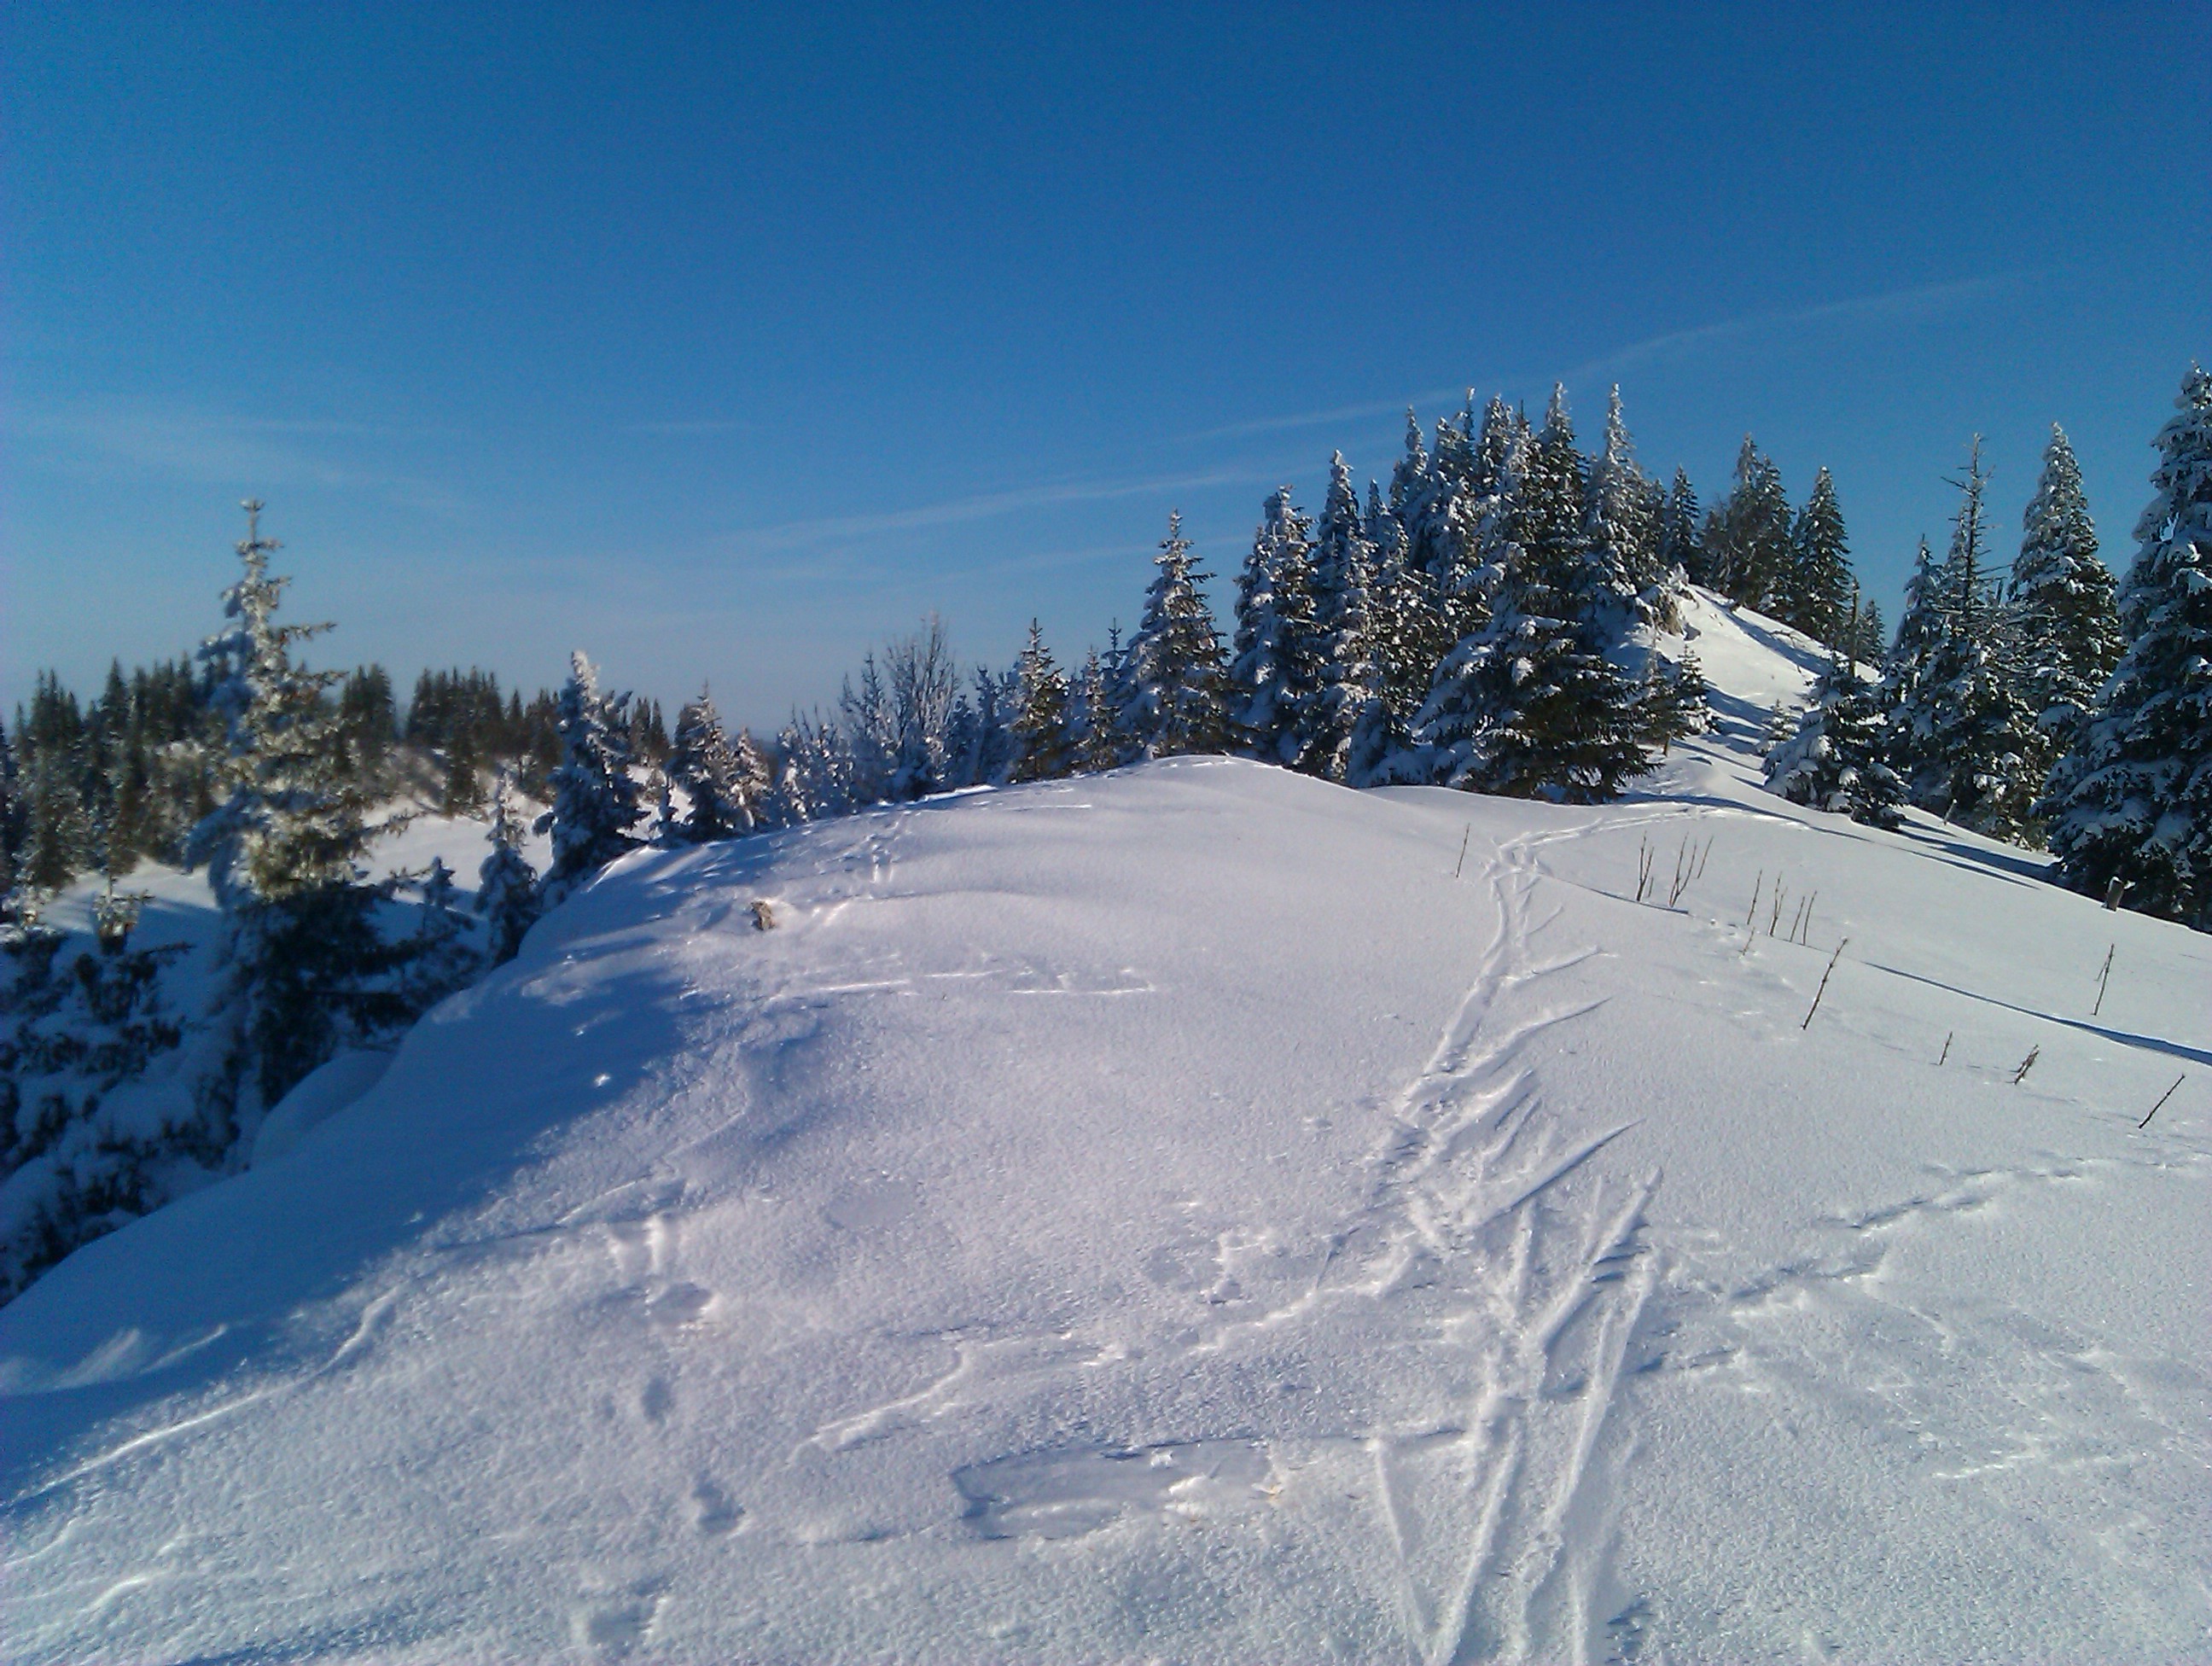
(1489, 1302)
(1538, 1273)
(1490, 1238)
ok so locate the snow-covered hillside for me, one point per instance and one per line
(1195, 1214)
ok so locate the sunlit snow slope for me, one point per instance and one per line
(1194, 1213)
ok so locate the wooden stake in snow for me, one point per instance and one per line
(2163, 1098)
(1948, 1034)
(1823, 989)
(2103, 977)
(1463, 838)
(2026, 1065)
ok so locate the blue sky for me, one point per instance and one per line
(725, 341)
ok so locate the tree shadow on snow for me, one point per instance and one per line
(289, 1272)
(2023, 867)
(2125, 1038)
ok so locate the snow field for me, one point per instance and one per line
(1172, 1215)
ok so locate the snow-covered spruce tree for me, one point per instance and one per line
(1274, 670)
(1747, 538)
(1911, 654)
(57, 834)
(1620, 532)
(1496, 497)
(703, 767)
(2132, 805)
(753, 782)
(1439, 502)
(1821, 591)
(2064, 618)
(1440, 742)
(1834, 760)
(1551, 492)
(10, 811)
(595, 806)
(85, 1146)
(306, 968)
(1040, 723)
(443, 958)
(1864, 638)
(1416, 634)
(506, 885)
(1528, 706)
(1672, 703)
(1174, 698)
(1094, 735)
(1349, 723)
(1970, 738)
(1403, 619)
(1681, 543)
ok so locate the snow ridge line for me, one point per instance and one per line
(1537, 1274)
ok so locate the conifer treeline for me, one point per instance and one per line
(2047, 705)
(1488, 623)
(99, 786)
(1472, 626)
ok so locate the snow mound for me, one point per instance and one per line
(1194, 1213)
(319, 1096)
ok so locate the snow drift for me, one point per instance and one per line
(1194, 1213)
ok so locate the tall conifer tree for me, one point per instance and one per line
(1041, 713)
(1620, 530)
(1820, 589)
(2063, 611)
(596, 806)
(1350, 724)
(1274, 670)
(703, 767)
(1527, 705)
(1971, 738)
(1174, 696)
(506, 885)
(1747, 538)
(1094, 738)
(2132, 805)
(1679, 542)
(306, 969)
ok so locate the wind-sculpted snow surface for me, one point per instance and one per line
(1194, 1213)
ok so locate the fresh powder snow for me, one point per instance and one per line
(1196, 1213)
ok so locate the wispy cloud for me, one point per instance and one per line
(1916, 302)
(1675, 345)
(91, 437)
(832, 529)
(682, 429)
(1360, 413)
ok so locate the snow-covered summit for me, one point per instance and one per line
(1194, 1213)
